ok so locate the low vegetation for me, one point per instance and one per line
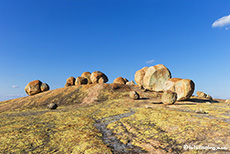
(27, 126)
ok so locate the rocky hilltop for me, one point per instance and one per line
(158, 115)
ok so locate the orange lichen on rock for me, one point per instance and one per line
(155, 77)
(139, 76)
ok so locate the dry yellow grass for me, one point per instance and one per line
(28, 127)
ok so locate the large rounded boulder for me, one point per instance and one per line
(183, 87)
(87, 76)
(155, 77)
(120, 80)
(139, 76)
(98, 77)
(70, 81)
(33, 87)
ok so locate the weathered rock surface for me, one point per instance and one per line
(155, 77)
(45, 87)
(227, 101)
(33, 87)
(130, 83)
(119, 80)
(81, 80)
(183, 87)
(139, 76)
(70, 81)
(169, 97)
(52, 106)
(87, 76)
(98, 77)
(134, 95)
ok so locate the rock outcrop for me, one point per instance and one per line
(33, 87)
(87, 76)
(81, 80)
(139, 76)
(155, 77)
(183, 87)
(70, 81)
(98, 77)
(201, 94)
(169, 97)
(120, 80)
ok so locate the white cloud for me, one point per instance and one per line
(150, 61)
(15, 86)
(222, 22)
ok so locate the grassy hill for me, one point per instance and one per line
(102, 118)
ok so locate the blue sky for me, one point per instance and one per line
(53, 40)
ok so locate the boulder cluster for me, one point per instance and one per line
(35, 87)
(183, 87)
(158, 78)
(154, 78)
(201, 94)
(121, 80)
(87, 78)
